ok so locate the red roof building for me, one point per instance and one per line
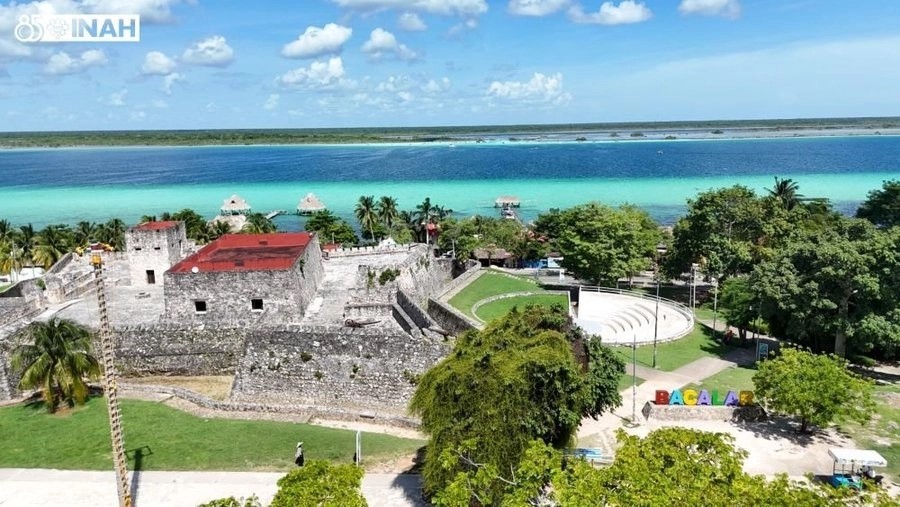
(156, 226)
(247, 252)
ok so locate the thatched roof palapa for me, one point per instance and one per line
(310, 204)
(235, 205)
(507, 200)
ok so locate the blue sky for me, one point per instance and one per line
(349, 63)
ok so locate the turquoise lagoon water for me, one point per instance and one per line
(68, 185)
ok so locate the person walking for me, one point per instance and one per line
(298, 456)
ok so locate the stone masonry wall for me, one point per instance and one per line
(365, 368)
(449, 318)
(155, 250)
(178, 350)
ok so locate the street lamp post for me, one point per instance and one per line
(656, 321)
(715, 305)
(634, 379)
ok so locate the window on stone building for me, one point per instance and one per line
(256, 305)
(200, 306)
(156, 248)
(137, 249)
(151, 277)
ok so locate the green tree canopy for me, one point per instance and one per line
(882, 206)
(817, 389)
(602, 244)
(57, 360)
(514, 381)
(257, 223)
(331, 229)
(835, 289)
(321, 484)
(367, 215)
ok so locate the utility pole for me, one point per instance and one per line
(656, 320)
(715, 305)
(634, 379)
(110, 386)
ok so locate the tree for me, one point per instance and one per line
(321, 484)
(739, 304)
(817, 389)
(515, 381)
(85, 233)
(835, 289)
(195, 225)
(602, 244)
(331, 229)
(366, 214)
(113, 233)
(785, 193)
(50, 245)
(882, 207)
(57, 360)
(219, 229)
(257, 223)
(387, 211)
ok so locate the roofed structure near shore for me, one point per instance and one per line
(507, 201)
(310, 204)
(235, 205)
(246, 252)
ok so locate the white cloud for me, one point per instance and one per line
(319, 74)
(157, 64)
(159, 104)
(442, 7)
(169, 81)
(382, 44)
(433, 86)
(411, 22)
(628, 11)
(469, 24)
(271, 102)
(317, 41)
(212, 52)
(726, 8)
(395, 84)
(406, 96)
(540, 89)
(61, 63)
(151, 11)
(116, 99)
(536, 7)
(137, 115)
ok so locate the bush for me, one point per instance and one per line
(321, 484)
(231, 501)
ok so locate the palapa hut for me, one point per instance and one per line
(310, 204)
(507, 201)
(235, 205)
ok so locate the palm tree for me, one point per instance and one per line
(113, 233)
(785, 192)
(50, 245)
(12, 259)
(387, 211)
(257, 223)
(147, 218)
(366, 214)
(6, 230)
(85, 232)
(57, 361)
(219, 229)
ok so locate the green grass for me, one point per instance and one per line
(169, 439)
(738, 378)
(673, 355)
(625, 382)
(881, 434)
(487, 285)
(499, 308)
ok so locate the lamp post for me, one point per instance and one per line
(656, 321)
(634, 378)
(715, 305)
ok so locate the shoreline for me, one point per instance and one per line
(523, 139)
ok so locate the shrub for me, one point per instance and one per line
(320, 483)
(231, 501)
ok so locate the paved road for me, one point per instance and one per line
(58, 488)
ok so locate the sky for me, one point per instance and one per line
(379, 63)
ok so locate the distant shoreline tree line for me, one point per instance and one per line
(809, 274)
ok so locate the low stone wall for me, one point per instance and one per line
(414, 311)
(178, 350)
(449, 318)
(473, 271)
(334, 366)
(310, 411)
(702, 413)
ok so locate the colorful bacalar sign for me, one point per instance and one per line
(689, 397)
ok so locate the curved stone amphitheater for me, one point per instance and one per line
(622, 317)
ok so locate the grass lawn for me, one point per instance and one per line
(673, 355)
(168, 439)
(881, 433)
(737, 378)
(487, 285)
(626, 380)
(501, 307)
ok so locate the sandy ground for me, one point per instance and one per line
(215, 387)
